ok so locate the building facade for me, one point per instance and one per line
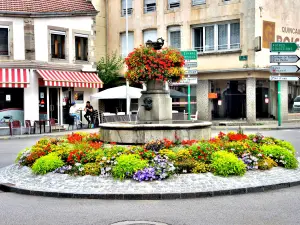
(232, 39)
(47, 59)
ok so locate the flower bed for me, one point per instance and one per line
(228, 154)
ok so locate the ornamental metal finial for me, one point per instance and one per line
(156, 45)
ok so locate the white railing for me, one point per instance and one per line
(220, 48)
(129, 11)
(148, 9)
(198, 2)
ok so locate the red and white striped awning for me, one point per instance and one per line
(56, 78)
(14, 78)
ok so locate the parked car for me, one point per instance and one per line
(296, 105)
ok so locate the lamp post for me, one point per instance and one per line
(127, 82)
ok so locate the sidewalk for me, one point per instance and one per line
(54, 134)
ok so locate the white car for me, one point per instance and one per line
(296, 105)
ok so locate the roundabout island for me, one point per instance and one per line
(80, 166)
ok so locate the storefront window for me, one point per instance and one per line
(179, 95)
(12, 103)
(294, 97)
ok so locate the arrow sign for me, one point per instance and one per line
(284, 69)
(276, 78)
(284, 58)
(283, 47)
(191, 72)
(191, 64)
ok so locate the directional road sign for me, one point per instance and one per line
(284, 58)
(284, 69)
(191, 64)
(189, 55)
(185, 81)
(278, 78)
(191, 72)
(283, 47)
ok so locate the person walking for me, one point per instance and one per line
(88, 113)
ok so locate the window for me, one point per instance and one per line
(150, 35)
(4, 41)
(130, 43)
(173, 4)
(81, 47)
(129, 7)
(198, 2)
(175, 37)
(217, 37)
(58, 44)
(150, 6)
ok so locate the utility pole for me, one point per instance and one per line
(127, 49)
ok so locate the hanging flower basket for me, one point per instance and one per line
(146, 64)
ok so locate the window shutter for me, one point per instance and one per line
(150, 35)
(175, 39)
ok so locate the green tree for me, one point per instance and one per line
(109, 68)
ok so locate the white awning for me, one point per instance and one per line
(118, 93)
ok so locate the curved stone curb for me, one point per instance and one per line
(22, 181)
(155, 196)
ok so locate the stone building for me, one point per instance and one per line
(47, 58)
(232, 39)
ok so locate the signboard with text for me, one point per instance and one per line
(280, 78)
(284, 69)
(189, 55)
(283, 47)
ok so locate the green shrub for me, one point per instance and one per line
(287, 145)
(92, 169)
(183, 154)
(202, 151)
(280, 155)
(169, 153)
(127, 165)
(201, 167)
(226, 163)
(47, 164)
(184, 165)
(266, 164)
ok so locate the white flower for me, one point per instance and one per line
(81, 169)
(77, 164)
(184, 171)
(270, 155)
(104, 158)
(259, 154)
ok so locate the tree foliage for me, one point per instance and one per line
(109, 68)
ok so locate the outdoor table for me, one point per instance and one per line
(41, 122)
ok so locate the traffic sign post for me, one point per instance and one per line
(283, 47)
(190, 55)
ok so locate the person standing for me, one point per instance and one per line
(88, 112)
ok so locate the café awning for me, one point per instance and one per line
(55, 78)
(14, 78)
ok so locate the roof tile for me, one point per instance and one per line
(46, 6)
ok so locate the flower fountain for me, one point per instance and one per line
(154, 66)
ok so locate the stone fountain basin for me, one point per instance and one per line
(129, 133)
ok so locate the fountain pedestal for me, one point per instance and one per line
(155, 104)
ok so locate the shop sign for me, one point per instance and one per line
(243, 57)
(8, 98)
(212, 95)
(78, 97)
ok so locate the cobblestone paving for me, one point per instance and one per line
(187, 183)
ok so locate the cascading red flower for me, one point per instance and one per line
(145, 64)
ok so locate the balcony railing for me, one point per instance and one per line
(198, 2)
(129, 11)
(220, 48)
(148, 9)
(174, 5)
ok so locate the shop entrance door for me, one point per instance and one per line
(54, 103)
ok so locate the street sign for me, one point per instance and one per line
(243, 57)
(185, 81)
(284, 58)
(284, 69)
(191, 64)
(279, 78)
(191, 72)
(190, 55)
(283, 47)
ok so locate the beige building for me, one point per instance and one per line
(232, 39)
